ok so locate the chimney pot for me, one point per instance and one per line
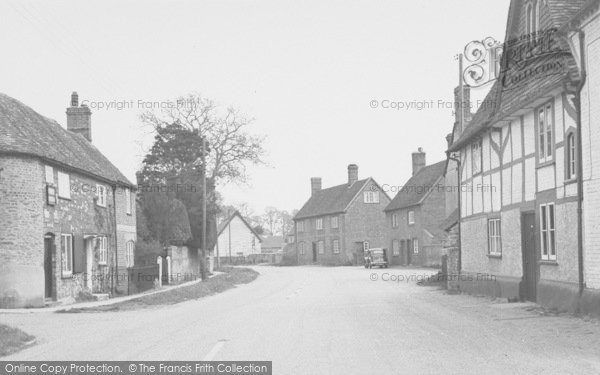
(418, 161)
(315, 185)
(79, 119)
(352, 174)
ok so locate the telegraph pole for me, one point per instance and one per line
(203, 250)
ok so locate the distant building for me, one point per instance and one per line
(337, 224)
(272, 244)
(236, 238)
(68, 222)
(413, 217)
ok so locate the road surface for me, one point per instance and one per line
(314, 320)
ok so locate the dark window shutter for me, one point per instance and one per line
(78, 254)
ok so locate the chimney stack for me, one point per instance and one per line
(315, 185)
(449, 139)
(418, 161)
(79, 118)
(352, 174)
(462, 107)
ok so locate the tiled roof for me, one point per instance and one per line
(273, 242)
(221, 227)
(330, 201)
(450, 221)
(25, 132)
(418, 187)
(505, 98)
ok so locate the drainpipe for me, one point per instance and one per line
(116, 273)
(580, 161)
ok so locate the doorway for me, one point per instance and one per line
(49, 249)
(530, 272)
(314, 251)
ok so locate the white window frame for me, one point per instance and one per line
(411, 217)
(495, 236)
(103, 250)
(394, 220)
(66, 254)
(334, 222)
(545, 132)
(321, 247)
(300, 226)
(302, 248)
(366, 245)
(128, 201)
(395, 248)
(130, 254)
(371, 197)
(319, 224)
(548, 231)
(101, 195)
(336, 246)
(64, 185)
(571, 156)
(415, 243)
(49, 174)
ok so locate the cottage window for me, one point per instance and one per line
(415, 243)
(128, 201)
(102, 250)
(571, 171)
(101, 195)
(395, 221)
(476, 157)
(334, 222)
(366, 245)
(371, 197)
(336, 246)
(66, 254)
(321, 247)
(319, 224)
(547, 232)
(411, 217)
(300, 226)
(130, 254)
(395, 248)
(545, 140)
(64, 185)
(494, 237)
(302, 248)
(49, 175)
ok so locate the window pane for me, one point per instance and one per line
(551, 217)
(543, 218)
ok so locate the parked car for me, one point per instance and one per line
(376, 257)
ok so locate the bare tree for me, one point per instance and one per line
(231, 147)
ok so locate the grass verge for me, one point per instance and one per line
(12, 340)
(231, 277)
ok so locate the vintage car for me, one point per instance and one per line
(376, 257)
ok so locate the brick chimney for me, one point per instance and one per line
(462, 103)
(79, 118)
(418, 161)
(352, 174)
(315, 185)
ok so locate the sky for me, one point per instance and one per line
(320, 78)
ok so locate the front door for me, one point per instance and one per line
(89, 262)
(529, 284)
(314, 250)
(48, 272)
(409, 251)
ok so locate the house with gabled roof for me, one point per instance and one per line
(68, 223)
(517, 170)
(236, 239)
(337, 224)
(413, 217)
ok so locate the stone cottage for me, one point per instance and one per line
(68, 222)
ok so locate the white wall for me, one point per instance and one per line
(241, 240)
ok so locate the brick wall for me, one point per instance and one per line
(126, 232)
(21, 233)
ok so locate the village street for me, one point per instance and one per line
(316, 320)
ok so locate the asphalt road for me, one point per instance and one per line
(313, 320)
